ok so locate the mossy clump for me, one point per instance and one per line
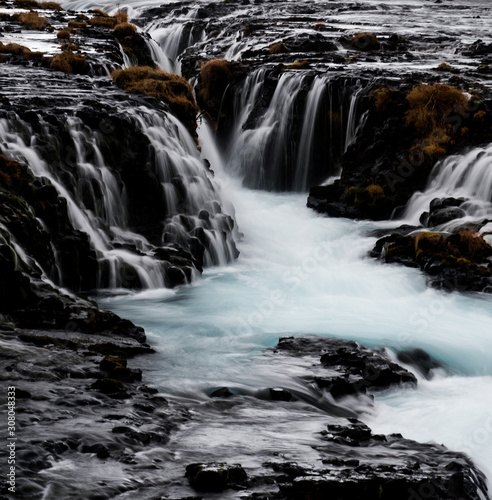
(298, 65)
(365, 41)
(33, 20)
(70, 62)
(469, 244)
(77, 24)
(430, 107)
(19, 50)
(104, 20)
(168, 87)
(215, 76)
(382, 99)
(123, 30)
(278, 48)
(480, 115)
(63, 34)
(33, 4)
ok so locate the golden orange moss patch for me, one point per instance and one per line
(168, 87)
(365, 41)
(430, 107)
(70, 62)
(33, 20)
(19, 50)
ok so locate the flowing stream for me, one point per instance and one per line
(300, 273)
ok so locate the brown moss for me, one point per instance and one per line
(33, 20)
(103, 21)
(479, 115)
(298, 65)
(215, 76)
(375, 191)
(365, 41)
(100, 12)
(77, 24)
(19, 50)
(69, 62)
(123, 30)
(168, 87)
(277, 48)
(13, 175)
(382, 99)
(121, 16)
(63, 34)
(427, 242)
(469, 244)
(430, 105)
(51, 6)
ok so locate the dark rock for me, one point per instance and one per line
(419, 359)
(110, 387)
(223, 392)
(215, 477)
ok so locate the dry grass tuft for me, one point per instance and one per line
(382, 98)
(278, 48)
(429, 108)
(63, 34)
(122, 30)
(19, 50)
(215, 76)
(77, 24)
(430, 105)
(33, 20)
(469, 244)
(168, 87)
(365, 41)
(69, 62)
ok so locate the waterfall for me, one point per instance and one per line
(468, 176)
(297, 139)
(101, 195)
(168, 42)
(306, 143)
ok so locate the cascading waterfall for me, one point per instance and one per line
(296, 142)
(168, 42)
(468, 176)
(97, 197)
(318, 88)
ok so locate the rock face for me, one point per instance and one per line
(350, 460)
(352, 369)
(458, 261)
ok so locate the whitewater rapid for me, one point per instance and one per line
(300, 273)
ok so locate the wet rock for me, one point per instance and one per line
(112, 388)
(353, 369)
(223, 392)
(100, 450)
(419, 359)
(215, 477)
(458, 261)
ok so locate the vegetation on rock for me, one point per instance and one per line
(168, 87)
(69, 62)
(429, 113)
(365, 41)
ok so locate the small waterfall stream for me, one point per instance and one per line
(98, 202)
(468, 176)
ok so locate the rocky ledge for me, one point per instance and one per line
(353, 462)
